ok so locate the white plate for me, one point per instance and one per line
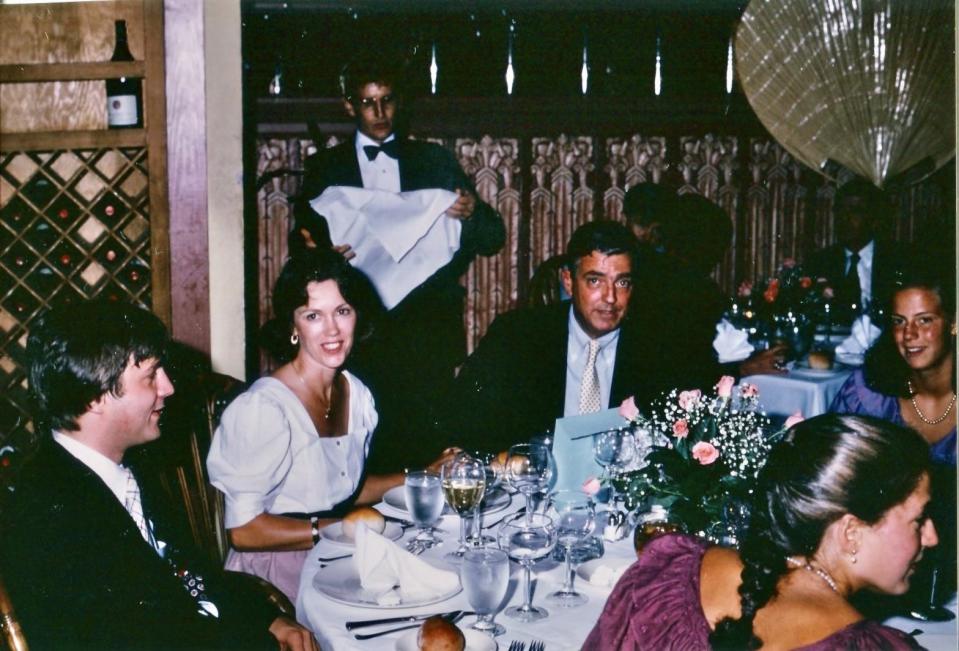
(475, 641)
(334, 533)
(850, 359)
(497, 500)
(340, 582)
(586, 570)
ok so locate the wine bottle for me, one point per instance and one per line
(124, 95)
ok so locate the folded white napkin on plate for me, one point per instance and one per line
(606, 575)
(394, 574)
(399, 238)
(852, 349)
(730, 343)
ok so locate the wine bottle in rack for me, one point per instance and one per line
(124, 95)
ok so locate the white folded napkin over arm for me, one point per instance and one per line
(731, 343)
(854, 347)
(393, 574)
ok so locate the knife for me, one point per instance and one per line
(520, 511)
(409, 618)
(451, 617)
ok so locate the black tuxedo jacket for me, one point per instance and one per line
(82, 577)
(889, 258)
(514, 385)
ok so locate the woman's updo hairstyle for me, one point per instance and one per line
(823, 468)
(289, 293)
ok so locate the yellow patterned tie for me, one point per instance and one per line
(589, 396)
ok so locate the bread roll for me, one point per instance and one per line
(820, 360)
(371, 517)
(437, 634)
(499, 464)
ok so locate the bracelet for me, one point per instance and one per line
(315, 529)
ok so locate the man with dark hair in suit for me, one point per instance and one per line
(90, 553)
(414, 352)
(861, 267)
(578, 356)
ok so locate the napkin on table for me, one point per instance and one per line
(730, 343)
(394, 574)
(863, 334)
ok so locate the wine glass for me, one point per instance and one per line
(614, 450)
(485, 577)
(529, 468)
(527, 538)
(464, 483)
(424, 500)
(476, 537)
(573, 514)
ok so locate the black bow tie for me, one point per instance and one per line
(390, 148)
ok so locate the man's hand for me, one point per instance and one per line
(447, 455)
(464, 206)
(307, 238)
(765, 362)
(292, 636)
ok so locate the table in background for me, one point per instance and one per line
(935, 636)
(808, 391)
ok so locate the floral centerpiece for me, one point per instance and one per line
(788, 290)
(706, 454)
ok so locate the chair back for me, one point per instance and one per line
(11, 634)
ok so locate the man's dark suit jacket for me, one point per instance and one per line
(415, 350)
(514, 385)
(81, 575)
(888, 260)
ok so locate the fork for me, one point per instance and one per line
(516, 645)
(537, 645)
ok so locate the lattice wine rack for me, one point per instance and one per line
(74, 224)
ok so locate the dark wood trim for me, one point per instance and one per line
(32, 72)
(154, 102)
(56, 140)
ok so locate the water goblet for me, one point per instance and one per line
(529, 469)
(573, 515)
(527, 539)
(423, 490)
(464, 483)
(485, 576)
(613, 450)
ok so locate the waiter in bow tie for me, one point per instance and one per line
(413, 354)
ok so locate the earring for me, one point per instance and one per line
(294, 338)
(852, 557)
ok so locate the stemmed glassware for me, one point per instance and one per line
(493, 478)
(464, 483)
(529, 469)
(527, 538)
(614, 450)
(573, 515)
(485, 577)
(424, 501)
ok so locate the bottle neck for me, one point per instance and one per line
(121, 51)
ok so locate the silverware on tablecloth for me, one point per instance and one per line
(404, 524)
(408, 618)
(516, 645)
(328, 559)
(537, 645)
(452, 618)
(521, 511)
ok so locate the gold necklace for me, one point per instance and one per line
(329, 406)
(818, 571)
(922, 416)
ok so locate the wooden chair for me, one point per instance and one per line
(12, 637)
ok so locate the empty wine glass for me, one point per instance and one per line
(464, 483)
(573, 516)
(424, 500)
(485, 577)
(527, 538)
(614, 450)
(476, 537)
(529, 469)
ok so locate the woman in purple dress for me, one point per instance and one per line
(840, 506)
(909, 376)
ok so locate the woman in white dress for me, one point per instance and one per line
(292, 448)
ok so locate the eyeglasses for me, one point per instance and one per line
(369, 103)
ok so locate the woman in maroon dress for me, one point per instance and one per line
(840, 506)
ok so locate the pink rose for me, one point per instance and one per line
(591, 486)
(789, 263)
(688, 399)
(628, 409)
(681, 428)
(745, 289)
(828, 293)
(705, 453)
(795, 418)
(805, 282)
(750, 390)
(724, 388)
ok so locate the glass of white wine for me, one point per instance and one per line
(464, 484)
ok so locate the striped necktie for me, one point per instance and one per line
(134, 506)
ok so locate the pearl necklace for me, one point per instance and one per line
(329, 407)
(922, 417)
(818, 571)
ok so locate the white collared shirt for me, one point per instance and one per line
(381, 173)
(577, 353)
(864, 268)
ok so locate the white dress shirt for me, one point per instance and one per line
(381, 173)
(577, 352)
(864, 268)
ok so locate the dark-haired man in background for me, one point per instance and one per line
(413, 354)
(89, 551)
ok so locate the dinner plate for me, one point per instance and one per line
(334, 533)
(340, 582)
(475, 641)
(496, 500)
(587, 569)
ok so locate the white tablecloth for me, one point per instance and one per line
(564, 629)
(807, 391)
